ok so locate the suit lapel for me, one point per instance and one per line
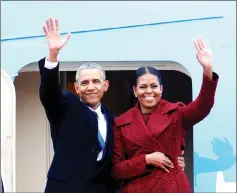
(109, 136)
(160, 119)
(137, 131)
(157, 123)
(92, 125)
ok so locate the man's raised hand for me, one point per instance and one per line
(55, 42)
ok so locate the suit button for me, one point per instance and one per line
(89, 177)
(94, 150)
(154, 138)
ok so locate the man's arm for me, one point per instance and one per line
(50, 91)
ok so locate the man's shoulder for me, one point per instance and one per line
(67, 93)
(110, 113)
(70, 97)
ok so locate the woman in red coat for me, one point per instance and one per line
(148, 137)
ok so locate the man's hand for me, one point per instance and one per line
(55, 42)
(181, 161)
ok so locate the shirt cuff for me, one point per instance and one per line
(50, 65)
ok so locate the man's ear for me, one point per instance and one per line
(106, 85)
(77, 88)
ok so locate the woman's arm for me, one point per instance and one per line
(124, 168)
(197, 110)
(201, 106)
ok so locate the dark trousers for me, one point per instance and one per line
(59, 186)
(95, 185)
(64, 186)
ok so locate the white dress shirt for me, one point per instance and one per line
(102, 123)
(102, 126)
(50, 65)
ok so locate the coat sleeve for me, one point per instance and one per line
(50, 92)
(197, 110)
(123, 168)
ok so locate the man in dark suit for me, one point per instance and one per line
(81, 127)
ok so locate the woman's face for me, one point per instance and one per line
(148, 92)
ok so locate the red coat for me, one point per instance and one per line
(164, 132)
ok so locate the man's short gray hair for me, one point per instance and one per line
(90, 65)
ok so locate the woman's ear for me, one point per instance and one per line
(135, 91)
(161, 90)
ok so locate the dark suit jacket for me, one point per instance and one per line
(2, 187)
(164, 132)
(74, 129)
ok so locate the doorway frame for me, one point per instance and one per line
(66, 66)
(9, 179)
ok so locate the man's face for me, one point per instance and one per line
(91, 87)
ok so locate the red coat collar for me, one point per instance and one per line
(162, 107)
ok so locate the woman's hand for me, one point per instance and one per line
(159, 159)
(204, 57)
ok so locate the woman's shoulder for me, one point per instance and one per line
(166, 106)
(124, 118)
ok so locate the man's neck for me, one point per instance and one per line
(95, 107)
